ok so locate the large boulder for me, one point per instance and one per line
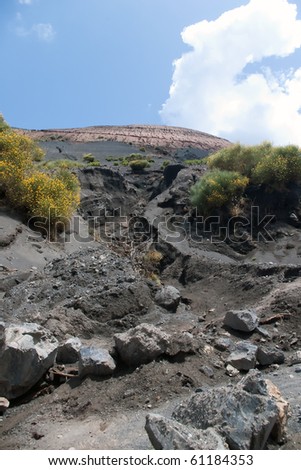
(95, 361)
(27, 352)
(141, 344)
(246, 414)
(169, 298)
(241, 320)
(168, 434)
(243, 356)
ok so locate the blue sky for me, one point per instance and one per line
(72, 63)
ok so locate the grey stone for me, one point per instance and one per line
(231, 371)
(68, 352)
(95, 361)
(295, 358)
(168, 434)
(168, 297)
(141, 344)
(4, 404)
(241, 320)
(245, 414)
(27, 353)
(267, 355)
(244, 356)
(223, 344)
(208, 371)
(181, 343)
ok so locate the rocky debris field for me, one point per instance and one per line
(128, 332)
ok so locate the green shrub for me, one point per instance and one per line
(218, 189)
(89, 158)
(281, 167)
(239, 158)
(142, 149)
(138, 165)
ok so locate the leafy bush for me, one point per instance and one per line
(218, 189)
(281, 167)
(138, 165)
(25, 187)
(44, 193)
(239, 158)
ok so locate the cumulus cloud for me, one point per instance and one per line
(211, 90)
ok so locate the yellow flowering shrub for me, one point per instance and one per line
(218, 189)
(49, 196)
(36, 192)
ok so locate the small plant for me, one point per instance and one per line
(138, 166)
(193, 162)
(142, 149)
(89, 158)
(165, 163)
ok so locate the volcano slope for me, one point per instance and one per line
(134, 235)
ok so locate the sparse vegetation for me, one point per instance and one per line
(194, 162)
(64, 164)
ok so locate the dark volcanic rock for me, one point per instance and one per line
(68, 352)
(245, 414)
(169, 298)
(241, 320)
(82, 292)
(243, 356)
(168, 434)
(267, 355)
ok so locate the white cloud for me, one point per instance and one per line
(25, 2)
(210, 90)
(44, 31)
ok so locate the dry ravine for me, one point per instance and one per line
(128, 331)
